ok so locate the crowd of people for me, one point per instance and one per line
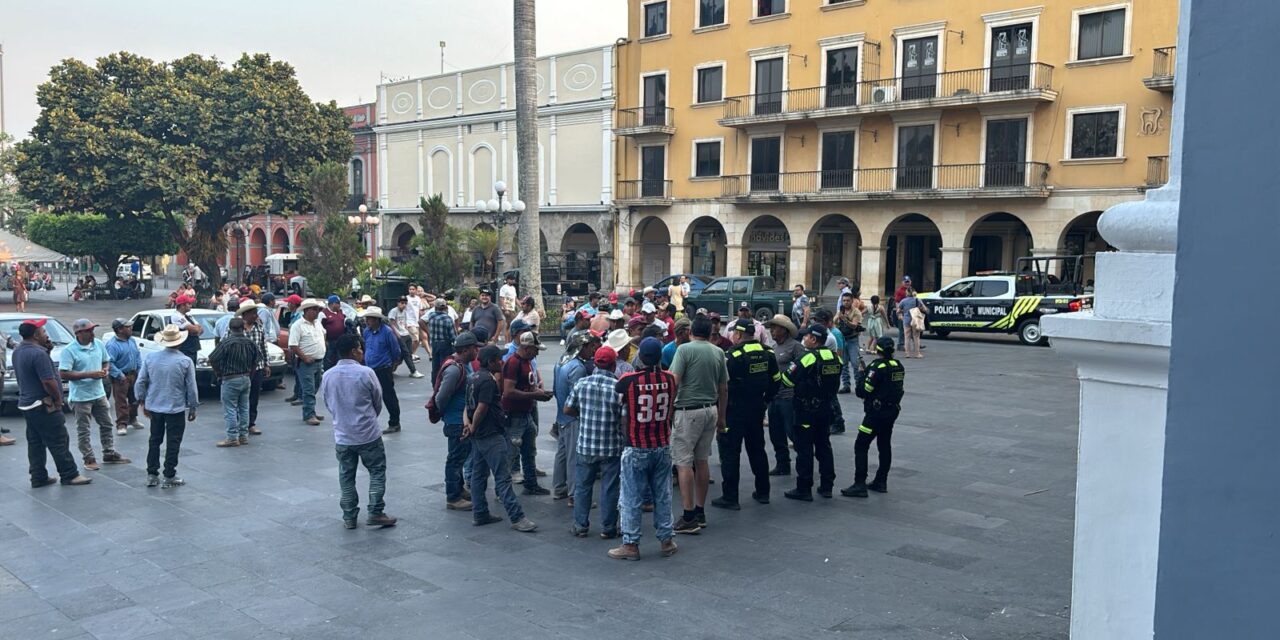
(643, 391)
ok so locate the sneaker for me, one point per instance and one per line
(701, 517)
(254, 430)
(609, 535)
(350, 524)
(244, 440)
(570, 505)
(295, 403)
(313, 421)
(559, 496)
(762, 498)
(153, 479)
(230, 442)
(6, 441)
(540, 473)
(845, 389)
(381, 520)
(690, 527)
(722, 503)
(122, 431)
(855, 490)
(44, 483)
(577, 533)
(535, 490)
(483, 520)
(625, 552)
(170, 483)
(115, 458)
(879, 486)
(137, 425)
(669, 547)
(797, 494)
(78, 481)
(461, 504)
(319, 417)
(395, 428)
(415, 374)
(91, 464)
(524, 525)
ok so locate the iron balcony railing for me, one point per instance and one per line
(1157, 171)
(991, 176)
(971, 83)
(640, 190)
(1164, 61)
(651, 116)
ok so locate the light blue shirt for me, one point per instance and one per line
(81, 358)
(567, 375)
(351, 392)
(223, 326)
(125, 357)
(167, 383)
(270, 324)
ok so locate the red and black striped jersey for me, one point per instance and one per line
(648, 401)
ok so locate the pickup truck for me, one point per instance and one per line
(725, 295)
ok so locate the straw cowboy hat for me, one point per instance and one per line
(172, 336)
(310, 303)
(249, 306)
(618, 339)
(372, 312)
(784, 322)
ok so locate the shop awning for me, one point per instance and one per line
(15, 248)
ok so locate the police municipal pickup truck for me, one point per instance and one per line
(1003, 302)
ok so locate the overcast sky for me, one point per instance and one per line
(338, 48)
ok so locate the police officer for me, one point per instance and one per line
(753, 382)
(881, 390)
(816, 378)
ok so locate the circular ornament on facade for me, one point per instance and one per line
(440, 98)
(402, 103)
(482, 91)
(580, 77)
(540, 83)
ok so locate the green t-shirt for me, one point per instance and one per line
(701, 367)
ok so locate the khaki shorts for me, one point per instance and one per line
(413, 333)
(691, 435)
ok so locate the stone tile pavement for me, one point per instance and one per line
(974, 540)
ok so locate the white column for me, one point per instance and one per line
(551, 156)
(954, 262)
(798, 269)
(870, 271)
(422, 177)
(679, 258)
(419, 111)
(552, 82)
(463, 178)
(606, 156)
(383, 200)
(382, 104)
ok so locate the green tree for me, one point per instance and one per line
(485, 243)
(104, 238)
(335, 254)
(193, 143)
(440, 260)
(14, 207)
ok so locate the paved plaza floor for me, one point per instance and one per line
(972, 542)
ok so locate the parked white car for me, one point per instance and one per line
(146, 324)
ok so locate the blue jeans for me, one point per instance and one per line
(522, 433)
(606, 469)
(459, 451)
(308, 381)
(566, 325)
(489, 454)
(374, 457)
(850, 359)
(902, 331)
(235, 406)
(645, 470)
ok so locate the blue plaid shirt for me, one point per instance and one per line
(440, 328)
(599, 414)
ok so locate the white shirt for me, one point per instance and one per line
(397, 318)
(308, 337)
(413, 309)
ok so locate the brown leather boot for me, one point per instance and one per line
(625, 552)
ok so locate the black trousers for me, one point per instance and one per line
(255, 392)
(440, 351)
(877, 425)
(813, 439)
(389, 398)
(330, 354)
(782, 420)
(746, 427)
(47, 432)
(167, 428)
(406, 352)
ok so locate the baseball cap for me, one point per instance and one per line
(83, 324)
(906, 278)
(648, 308)
(584, 314)
(184, 300)
(490, 352)
(486, 292)
(465, 339)
(616, 314)
(118, 323)
(650, 351)
(268, 297)
(605, 356)
(745, 306)
(35, 322)
(530, 339)
(683, 323)
(745, 325)
(481, 334)
(333, 298)
(714, 317)
(294, 299)
(441, 303)
(518, 326)
(816, 330)
(528, 300)
(636, 321)
(613, 297)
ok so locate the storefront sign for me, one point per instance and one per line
(769, 236)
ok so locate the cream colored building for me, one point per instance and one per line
(807, 139)
(454, 135)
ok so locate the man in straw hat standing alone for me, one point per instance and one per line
(382, 354)
(166, 391)
(306, 341)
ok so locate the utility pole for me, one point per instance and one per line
(1, 90)
(442, 43)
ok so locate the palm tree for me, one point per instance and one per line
(485, 243)
(527, 149)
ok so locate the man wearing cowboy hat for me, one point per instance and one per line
(382, 354)
(234, 360)
(621, 342)
(166, 391)
(306, 341)
(254, 316)
(85, 364)
(782, 413)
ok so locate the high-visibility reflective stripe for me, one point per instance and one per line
(808, 359)
(753, 346)
(826, 354)
(864, 428)
(777, 377)
(786, 381)
(893, 363)
(804, 426)
(867, 386)
(735, 353)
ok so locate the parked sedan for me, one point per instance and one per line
(146, 324)
(58, 334)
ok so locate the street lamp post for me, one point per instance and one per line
(499, 213)
(364, 224)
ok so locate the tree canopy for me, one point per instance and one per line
(192, 143)
(15, 208)
(97, 235)
(440, 260)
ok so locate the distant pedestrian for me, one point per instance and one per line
(306, 341)
(507, 298)
(234, 361)
(594, 401)
(913, 323)
(254, 329)
(898, 295)
(334, 322)
(126, 360)
(521, 391)
(382, 354)
(166, 391)
(440, 335)
(528, 313)
(397, 319)
(40, 400)
(799, 306)
(483, 425)
(782, 413)
(85, 364)
(450, 401)
(351, 392)
(875, 320)
(487, 316)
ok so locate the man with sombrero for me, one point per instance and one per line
(382, 354)
(255, 329)
(166, 391)
(782, 413)
(306, 342)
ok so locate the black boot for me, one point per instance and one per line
(799, 494)
(879, 485)
(855, 490)
(780, 470)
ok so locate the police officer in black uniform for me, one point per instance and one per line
(754, 380)
(816, 378)
(881, 390)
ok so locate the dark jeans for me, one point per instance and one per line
(607, 469)
(440, 351)
(169, 429)
(522, 433)
(374, 458)
(406, 353)
(813, 439)
(48, 432)
(255, 392)
(876, 425)
(309, 382)
(746, 427)
(782, 421)
(389, 397)
(459, 451)
(489, 455)
(330, 354)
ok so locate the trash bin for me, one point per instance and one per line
(390, 290)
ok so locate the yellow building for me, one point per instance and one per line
(809, 139)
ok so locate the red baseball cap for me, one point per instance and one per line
(585, 314)
(294, 299)
(613, 297)
(36, 322)
(184, 300)
(605, 356)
